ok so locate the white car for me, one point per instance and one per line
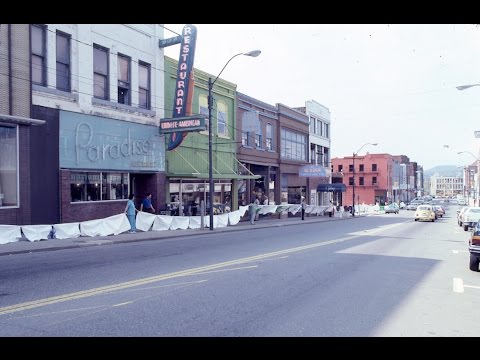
(470, 217)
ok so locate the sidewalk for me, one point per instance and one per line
(25, 246)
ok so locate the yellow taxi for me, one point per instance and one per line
(425, 213)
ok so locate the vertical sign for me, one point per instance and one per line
(184, 84)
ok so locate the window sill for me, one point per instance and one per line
(65, 95)
(117, 106)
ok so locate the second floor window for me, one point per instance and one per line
(245, 138)
(340, 168)
(350, 168)
(362, 168)
(100, 72)
(374, 180)
(203, 109)
(124, 80)
(258, 140)
(63, 61)
(38, 53)
(143, 85)
(361, 180)
(269, 137)
(350, 180)
(222, 119)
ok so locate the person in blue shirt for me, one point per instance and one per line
(147, 204)
(130, 211)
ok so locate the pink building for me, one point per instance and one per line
(373, 177)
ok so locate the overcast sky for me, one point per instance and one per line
(391, 84)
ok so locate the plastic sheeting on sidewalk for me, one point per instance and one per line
(67, 230)
(9, 233)
(36, 232)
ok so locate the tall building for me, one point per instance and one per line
(99, 89)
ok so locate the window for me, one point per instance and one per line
(350, 168)
(293, 145)
(327, 131)
(374, 180)
(350, 180)
(258, 140)
(222, 119)
(374, 167)
(361, 180)
(362, 167)
(319, 128)
(312, 125)
(63, 61)
(340, 168)
(143, 85)
(123, 79)
(39, 53)
(98, 186)
(269, 138)
(245, 138)
(203, 109)
(258, 133)
(8, 166)
(100, 72)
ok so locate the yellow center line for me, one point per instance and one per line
(128, 284)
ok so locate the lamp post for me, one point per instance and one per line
(253, 53)
(353, 175)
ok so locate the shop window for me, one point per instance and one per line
(8, 166)
(97, 186)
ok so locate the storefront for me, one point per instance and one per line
(102, 160)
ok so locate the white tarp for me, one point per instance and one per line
(9, 233)
(294, 208)
(282, 209)
(36, 232)
(234, 217)
(117, 224)
(242, 210)
(144, 220)
(222, 220)
(67, 230)
(267, 209)
(162, 222)
(309, 209)
(94, 228)
(196, 222)
(180, 222)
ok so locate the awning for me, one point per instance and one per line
(331, 187)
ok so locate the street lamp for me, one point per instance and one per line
(353, 175)
(463, 87)
(253, 53)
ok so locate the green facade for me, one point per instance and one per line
(190, 159)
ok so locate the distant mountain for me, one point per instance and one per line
(443, 170)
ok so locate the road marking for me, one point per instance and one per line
(458, 285)
(459, 251)
(123, 304)
(129, 284)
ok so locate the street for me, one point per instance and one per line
(382, 275)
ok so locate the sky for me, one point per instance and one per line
(390, 84)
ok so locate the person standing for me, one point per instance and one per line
(304, 205)
(130, 211)
(147, 204)
(252, 210)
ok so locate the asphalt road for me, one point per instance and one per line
(383, 275)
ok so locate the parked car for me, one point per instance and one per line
(474, 247)
(470, 217)
(460, 215)
(392, 208)
(425, 213)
